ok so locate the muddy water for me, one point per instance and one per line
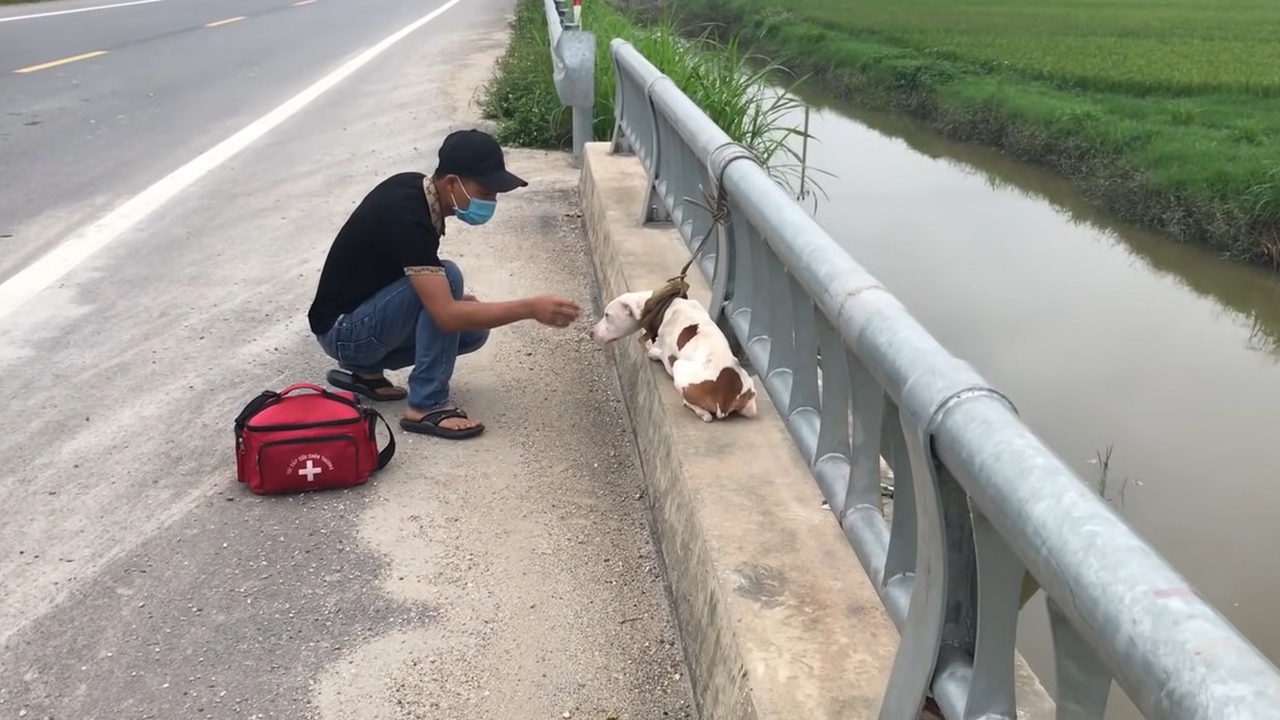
(1104, 336)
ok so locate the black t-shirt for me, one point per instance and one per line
(389, 231)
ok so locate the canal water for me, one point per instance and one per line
(1103, 335)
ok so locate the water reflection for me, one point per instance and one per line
(1103, 336)
(1251, 292)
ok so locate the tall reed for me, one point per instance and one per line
(735, 89)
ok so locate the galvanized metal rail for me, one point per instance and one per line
(979, 499)
(573, 61)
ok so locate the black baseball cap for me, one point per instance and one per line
(475, 155)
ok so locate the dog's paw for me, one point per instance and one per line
(706, 416)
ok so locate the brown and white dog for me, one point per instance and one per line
(690, 346)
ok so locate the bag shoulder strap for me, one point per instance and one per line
(317, 389)
(254, 407)
(388, 452)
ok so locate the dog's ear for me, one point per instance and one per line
(634, 302)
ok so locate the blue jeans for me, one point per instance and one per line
(392, 330)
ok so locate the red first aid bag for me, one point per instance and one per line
(293, 441)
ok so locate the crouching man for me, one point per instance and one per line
(387, 301)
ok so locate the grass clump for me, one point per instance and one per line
(521, 97)
(1166, 112)
(732, 87)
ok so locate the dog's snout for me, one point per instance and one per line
(594, 334)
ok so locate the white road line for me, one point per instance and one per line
(228, 21)
(39, 275)
(78, 10)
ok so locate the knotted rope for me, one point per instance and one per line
(716, 204)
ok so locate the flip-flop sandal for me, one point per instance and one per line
(368, 388)
(430, 425)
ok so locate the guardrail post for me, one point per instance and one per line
(583, 127)
(1000, 578)
(577, 48)
(654, 211)
(1084, 683)
(618, 143)
(573, 69)
(921, 639)
(945, 625)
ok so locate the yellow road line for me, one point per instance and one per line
(303, 2)
(228, 21)
(63, 61)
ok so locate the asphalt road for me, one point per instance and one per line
(512, 576)
(77, 138)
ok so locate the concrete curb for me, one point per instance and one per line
(776, 616)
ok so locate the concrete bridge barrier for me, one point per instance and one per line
(776, 616)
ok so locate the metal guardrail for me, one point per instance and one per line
(573, 63)
(979, 500)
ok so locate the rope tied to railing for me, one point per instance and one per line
(716, 204)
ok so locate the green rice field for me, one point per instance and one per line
(1167, 112)
(1141, 46)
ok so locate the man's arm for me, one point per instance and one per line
(457, 315)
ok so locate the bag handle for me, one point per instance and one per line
(269, 397)
(316, 388)
(384, 455)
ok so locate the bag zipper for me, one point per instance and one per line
(305, 426)
(301, 441)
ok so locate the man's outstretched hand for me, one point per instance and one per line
(554, 311)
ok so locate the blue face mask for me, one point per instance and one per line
(477, 212)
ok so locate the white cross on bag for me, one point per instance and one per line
(311, 471)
